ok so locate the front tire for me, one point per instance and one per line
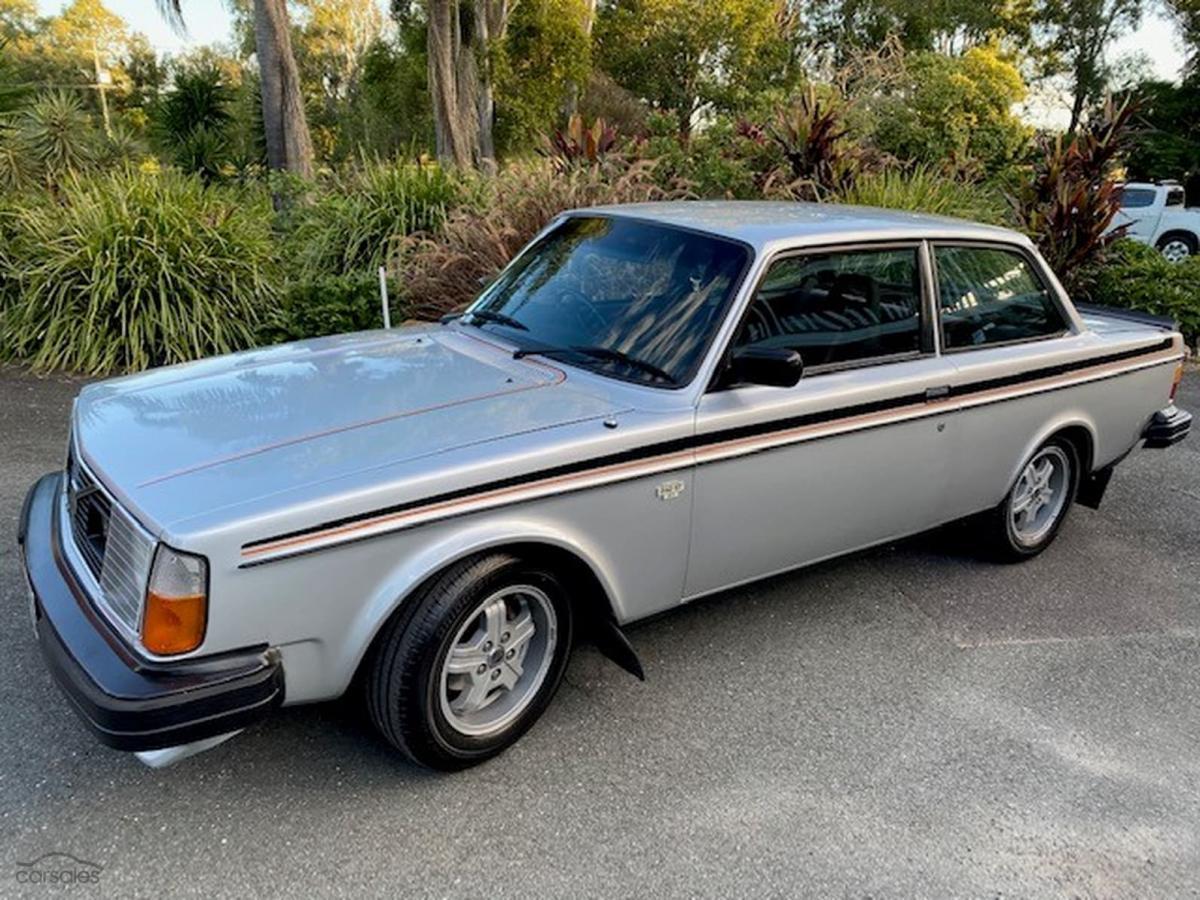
(1031, 514)
(471, 662)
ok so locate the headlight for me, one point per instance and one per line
(176, 602)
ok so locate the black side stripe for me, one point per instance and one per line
(696, 442)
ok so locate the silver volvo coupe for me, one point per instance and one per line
(652, 403)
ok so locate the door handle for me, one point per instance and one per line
(937, 393)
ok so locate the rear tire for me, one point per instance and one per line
(470, 662)
(1031, 514)
(1177, 246)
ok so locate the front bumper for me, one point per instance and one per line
(1169, 426)
(128, 702)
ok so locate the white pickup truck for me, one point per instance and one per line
(1155, 214)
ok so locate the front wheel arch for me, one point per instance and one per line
(592, 599)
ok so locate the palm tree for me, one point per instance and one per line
(289, 145)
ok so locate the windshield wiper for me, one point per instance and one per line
(499, 318)
(632, 361)
(605, 353)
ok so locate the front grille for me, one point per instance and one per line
(114, 548)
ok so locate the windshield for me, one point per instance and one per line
(634, 300)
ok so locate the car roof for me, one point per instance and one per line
(766, 223)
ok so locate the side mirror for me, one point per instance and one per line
(771, 366)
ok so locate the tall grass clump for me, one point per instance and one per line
(924, 189)
(349, 227)
(130, 270)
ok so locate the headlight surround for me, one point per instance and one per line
(176, 610)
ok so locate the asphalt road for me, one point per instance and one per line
(908, 722)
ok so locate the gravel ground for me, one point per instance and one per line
(906, 722)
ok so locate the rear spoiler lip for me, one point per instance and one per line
(1131, 315)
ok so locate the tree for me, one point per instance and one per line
(945, 26)
(954, 107)
(1080, 32)
(462, 34)
(285, 124)
(544, 60)
(1187, 16)
(1168, 144)
(331, 39)
(685, 55)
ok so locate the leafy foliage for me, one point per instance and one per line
(1168, 145)
(130, 271)
(545, 57)
(191, 123)
(578, 145)
(327, 304)
(811, 135)
(683, 55)
(955, 107)
(55, 137)
(1071, 199)
(1136, 276)
(349, 227)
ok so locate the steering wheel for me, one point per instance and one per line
(583, 305)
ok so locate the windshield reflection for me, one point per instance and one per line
(635, 300)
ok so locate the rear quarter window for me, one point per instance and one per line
(990, 295)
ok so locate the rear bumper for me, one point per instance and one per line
(128, 703)
(1168, 426)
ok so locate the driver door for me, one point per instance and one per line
(856, 452)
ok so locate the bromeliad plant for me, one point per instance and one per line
(1070, 201)
(812, 136)
(578, 145)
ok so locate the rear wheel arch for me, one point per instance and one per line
(1179, 234)
(1084, 442)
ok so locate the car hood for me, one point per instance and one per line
(181, 441)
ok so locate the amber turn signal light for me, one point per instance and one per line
(1175, 383)
(176, 603)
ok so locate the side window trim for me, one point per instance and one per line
(1035, 269)
(929, 325)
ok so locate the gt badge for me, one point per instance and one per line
(669, 490)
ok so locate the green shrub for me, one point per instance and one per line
(349, 227)
(924, 189)
(1134, 276)
(54, 138)
(328, 304)
(191, 124)
(132, 270)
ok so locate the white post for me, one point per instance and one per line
(383, 297)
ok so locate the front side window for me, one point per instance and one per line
(1137, 198)
(634, 300)
(838, 307)
(992, 296)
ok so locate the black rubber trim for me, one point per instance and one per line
(1168, 427)
(704, 440)
(132, 705)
